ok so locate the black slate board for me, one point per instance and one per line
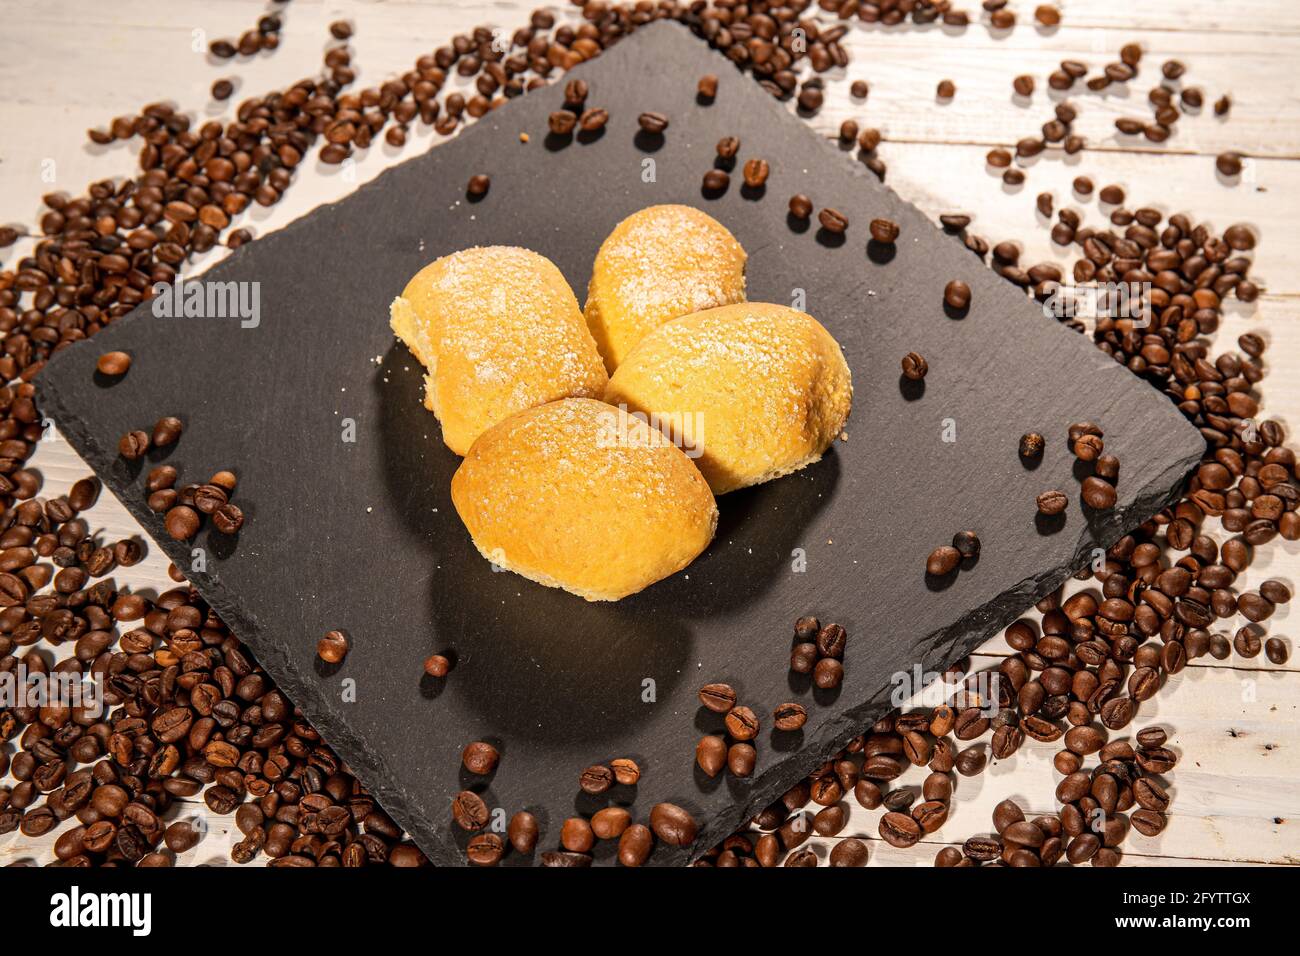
(363, 536)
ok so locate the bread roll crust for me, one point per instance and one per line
(659, 263)
(766, 385)
(579, 495)
(498, 330)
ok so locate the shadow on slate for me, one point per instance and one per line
(362, 536)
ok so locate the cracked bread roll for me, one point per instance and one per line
(757, 390)
(498, 330)
(581, 496)
(659, 263)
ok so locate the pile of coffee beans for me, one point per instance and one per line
(819, 651)
(183, 509)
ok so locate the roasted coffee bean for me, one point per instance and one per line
(756, 172)
(469, 811)
(576, 835)
(942, 560)
(1052, 502)
(167, 431)
(831, 640)
(801, 206)
(1098, 493)
(133, 445)
(711, 755)
(333, 647)
(914, 366)
(478, 185)
(113, 363)
(789, 716)
(561, 122)
(634, 845)
(899, 830)
(957, 295)
(742, 723)
(849, 852)
(833, 221)
(596, 779)
(625, 771)
(653, 123)
(718, 698)
(672, 824)
(485, 849)
(982, 849)
(522, 832)
(707, 88)
(716, 181)
(884, 231)
(967, 544)
(828, 673)
(803, 658)
(480, 758)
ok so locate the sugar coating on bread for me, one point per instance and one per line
(761, 389)
(579, 495)
(659, 263)
(498, 330)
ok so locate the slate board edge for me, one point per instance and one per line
(437, 841)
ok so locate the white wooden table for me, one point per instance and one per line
(67, 65)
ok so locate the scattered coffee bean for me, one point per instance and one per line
(914, 366)
(333, 647)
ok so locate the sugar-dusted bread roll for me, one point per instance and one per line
(498, 330)
(580, 496)
(761, 390)
(658, 264)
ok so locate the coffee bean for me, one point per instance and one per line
(565, 860)
(943, 560)
(831, 640)
(801, 206)
(1229, 163)
(436, 665)
(718, 698)
(946, 89)
(610, 823)
(1023, 85)
(478, 185)
(133, 445)
(727, 147)
(228, 519)
(485, 849)
(970, 761)
(593, 120)
(899, 830)
(625, 771)
(711, 755)
(828, 673)
(113, 363)
(849, 852)
(956, 295)
(982, 849)
(756, 172)
(1052, 502)
(522, 832)
(653, 123)
(833, 221)
(561, 122)
(742, 723)
(716, 181)
(914, 366)
(672, 824)
(634, 845)
(333, 647)
(741, 758)
(596, 779)
(884, 231)
(803, 658)
(1098, 493)
(1088, 447)
(576, 835)
(182, 522)
(479, 757)
(789, 716)
(967, 544)
(1276, 651)
(469, 811)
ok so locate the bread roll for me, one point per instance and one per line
(498, 330)
(658, 264)
(755, 391)
(580, 496)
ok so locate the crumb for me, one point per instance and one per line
(523, 137)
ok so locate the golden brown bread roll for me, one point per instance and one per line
(579, 495)
(498, 329)
(762, 389)
(659, 263)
